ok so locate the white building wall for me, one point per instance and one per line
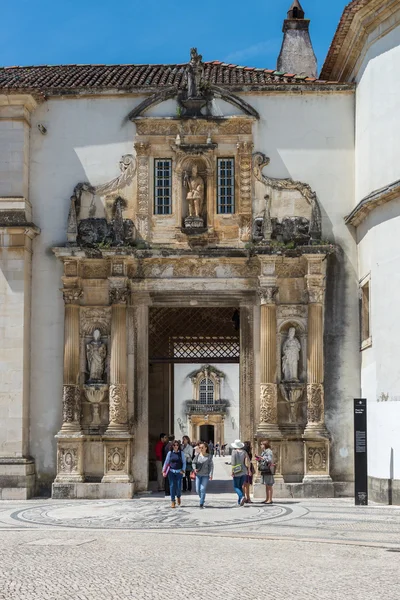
(377, 166)
(377, 112)
(183, 390)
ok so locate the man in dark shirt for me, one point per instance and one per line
(159, 460)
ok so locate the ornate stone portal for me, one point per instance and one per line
(122, 256)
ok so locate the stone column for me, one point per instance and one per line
(71, 388)
(117, 439)
(316, 436)
(246, 405)
(141, 391)
(315, 279)
(268, 414)
(143, 189)
(70, 439)
(118, 402)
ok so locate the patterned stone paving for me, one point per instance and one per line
(143, 549)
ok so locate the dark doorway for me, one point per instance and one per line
(207, 433)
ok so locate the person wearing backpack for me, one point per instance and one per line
(174, 468)
(240, 464)
(266, 468)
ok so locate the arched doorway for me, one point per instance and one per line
(207, 433)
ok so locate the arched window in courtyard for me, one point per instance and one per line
(206, 391)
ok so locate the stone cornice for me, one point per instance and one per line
(360, 18)
(370, 202)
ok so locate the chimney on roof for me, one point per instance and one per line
(297, 54)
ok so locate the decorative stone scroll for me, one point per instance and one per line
(268, 403)
(244, 150)
(92, 318)
(116, 458)
(314, 228)
(118, 404)
(316, 458)
(117, 461)
(315, 403)
(71, 407)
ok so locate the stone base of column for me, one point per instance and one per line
(269, 431)
(315, 431)
(117, 460)
(69, 457)
(17, 478)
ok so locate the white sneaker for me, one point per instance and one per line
(243, 500)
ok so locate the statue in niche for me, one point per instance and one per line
(195, 196)
(96, 352)
(291, 356)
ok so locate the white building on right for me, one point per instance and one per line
(366, 50)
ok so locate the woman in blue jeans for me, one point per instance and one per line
(174, 468)
(203, 467)
(240, 463)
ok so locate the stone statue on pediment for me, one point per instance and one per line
(194, 74)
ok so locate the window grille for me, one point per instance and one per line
(206, 391)
(162, 186)
(226, 186)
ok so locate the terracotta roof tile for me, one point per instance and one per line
(56, 79)
(341, 32)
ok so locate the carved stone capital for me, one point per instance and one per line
(118, 404)
(245, 148)
(72, 295)
(142, 148)
(118, 294)
(268, 295)
(315, 295)
(268, 403)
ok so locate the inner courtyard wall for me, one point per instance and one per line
(183, 391)
(309, 137)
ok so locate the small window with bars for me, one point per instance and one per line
(365, 314)
(226, 186)
(162, 186)
(206, 391)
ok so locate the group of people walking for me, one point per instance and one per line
(180, 463)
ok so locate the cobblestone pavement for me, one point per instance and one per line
(142, 549)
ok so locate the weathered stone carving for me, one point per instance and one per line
(268, 403)
(290, 268)
(127, 166)
(118, 404)
(118, 295)
(68, 460)
(230, 126)
(96, 353)
(71, 404)
(315, 402)
(316, 458)
(116, 458)
(95, 395)
(291, 227)
(195, 196)
(292, 392)
(291, 355)
(268, 294)
(95, 318)
(315, 295)
(72, 295)
(289, 311)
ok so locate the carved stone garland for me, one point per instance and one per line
(143, 195)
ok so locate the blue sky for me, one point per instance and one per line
(139, 31)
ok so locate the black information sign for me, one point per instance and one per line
(360, 452)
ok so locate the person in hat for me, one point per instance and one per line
(240, 463)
